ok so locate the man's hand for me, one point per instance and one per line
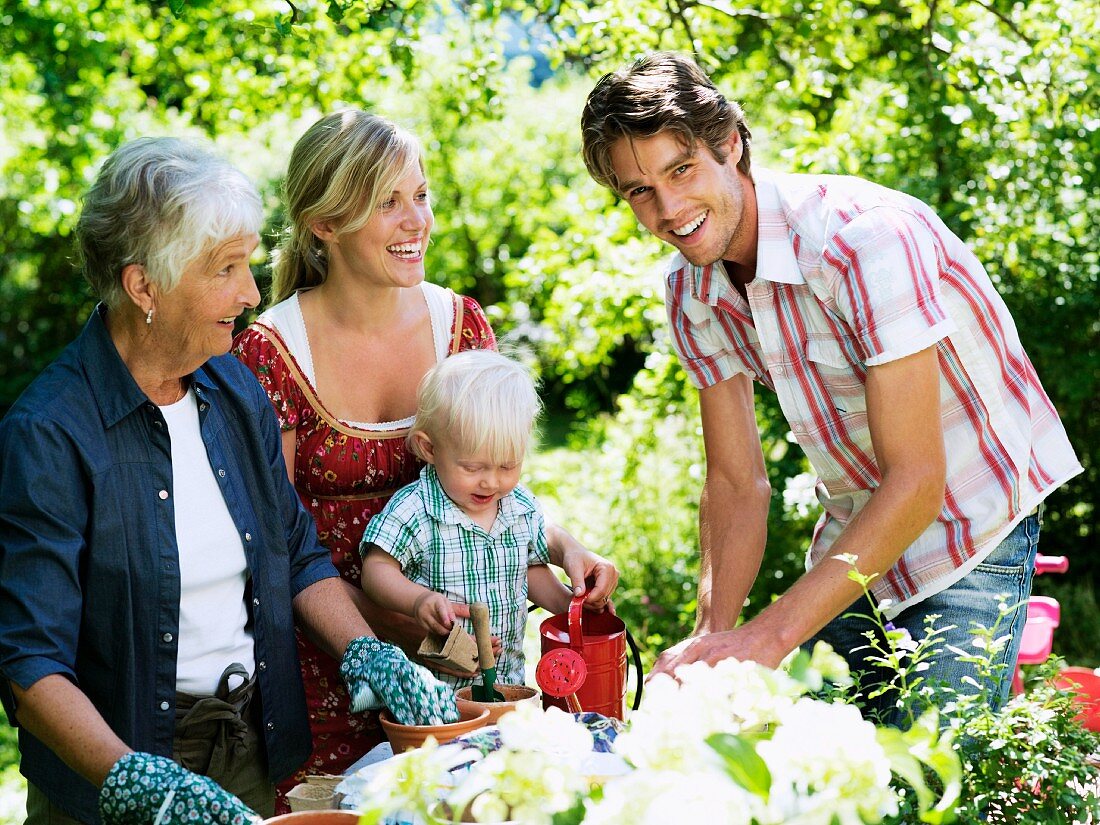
(377, 673)
(142, 789)
(742, 643)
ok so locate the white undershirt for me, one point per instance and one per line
(286, 317)
(213, 570)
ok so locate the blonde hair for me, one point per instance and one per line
(160, 202)
(477, 399)
(340, 170)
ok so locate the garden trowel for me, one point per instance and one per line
(479, 615)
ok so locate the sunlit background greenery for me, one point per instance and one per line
(985, 109)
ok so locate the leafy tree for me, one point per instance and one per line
(986, 110)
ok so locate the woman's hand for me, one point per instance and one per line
(377, 673)
(142, 788)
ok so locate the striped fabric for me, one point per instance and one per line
(441, 548)
(850, 275)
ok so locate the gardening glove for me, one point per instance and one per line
(377, 673)
(143, 789)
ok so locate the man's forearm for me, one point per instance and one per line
(733, 527)
(896, 514)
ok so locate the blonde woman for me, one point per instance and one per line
(352, 329)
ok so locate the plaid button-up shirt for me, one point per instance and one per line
(441, 548)
(850, 275)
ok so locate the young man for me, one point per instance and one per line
(895, 362)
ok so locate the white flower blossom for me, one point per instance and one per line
(553, 731)
(660, 797)
(826, 762)
(669, 730)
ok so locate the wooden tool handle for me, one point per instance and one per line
(479, 615)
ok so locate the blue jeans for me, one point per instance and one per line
(1004, 576)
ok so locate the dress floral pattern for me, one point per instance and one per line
(344, 476)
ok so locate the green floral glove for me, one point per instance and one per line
(142, 789)
(377, 673)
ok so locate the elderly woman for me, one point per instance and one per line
(153, 555)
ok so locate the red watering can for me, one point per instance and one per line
(584, 661)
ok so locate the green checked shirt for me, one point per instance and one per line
(440, 547)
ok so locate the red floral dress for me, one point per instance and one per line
(344, 476)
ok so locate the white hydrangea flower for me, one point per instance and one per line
(551, 731)
(660, 797)
(826, 762)
(528, 787)
(410, 781)
(669, 730)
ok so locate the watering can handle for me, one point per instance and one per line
(576, 634)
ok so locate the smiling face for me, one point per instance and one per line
(196, 317)
(472, 479)
(685, 197)
(388, 250)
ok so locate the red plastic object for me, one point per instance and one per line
(1044, 607)
(1043, 616)
(600, 640)
(1086, 684)
(561, 673)
(1051, 564)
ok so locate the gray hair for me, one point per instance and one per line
(160, 202)
(477, 399)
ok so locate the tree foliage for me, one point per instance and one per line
(985, 109)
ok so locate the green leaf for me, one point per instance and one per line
(924, 746)
(572, 816)
(743, 764)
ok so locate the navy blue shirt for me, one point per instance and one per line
(89, 568)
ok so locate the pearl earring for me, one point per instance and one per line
(149, 317)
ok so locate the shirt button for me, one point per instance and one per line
(256, 602)
(248, 537)
(778, 370)
(221, 473)
(798, 428)
(202, 407)
(167, 637)
(164, 706)
(163, 495)
(262, 665)
(157, 423)
(270, 726)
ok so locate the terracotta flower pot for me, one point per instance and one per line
(513, 695)
(471, 716)
(315, 818)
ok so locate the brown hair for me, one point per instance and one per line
(340, 170)
(658, 92)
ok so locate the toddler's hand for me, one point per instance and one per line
(434, 613)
